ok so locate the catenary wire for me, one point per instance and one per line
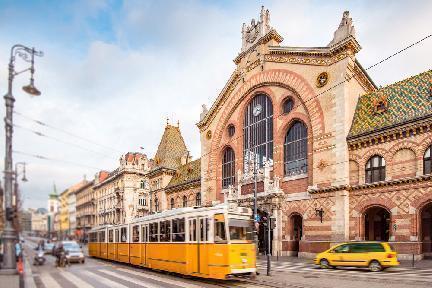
(330, 88)
(54, 160)
(65, 132)
(38, 133)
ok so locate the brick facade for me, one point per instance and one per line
(330, 202)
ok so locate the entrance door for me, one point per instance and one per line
(198, 235)
(426, 231)
(193, 247)
(144, 240)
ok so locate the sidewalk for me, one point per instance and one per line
(427, 264)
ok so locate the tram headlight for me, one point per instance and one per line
(244, 261)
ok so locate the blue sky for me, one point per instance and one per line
(114, 70)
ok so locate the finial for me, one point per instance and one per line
(85, 177)
(167, 121)
(178, 123)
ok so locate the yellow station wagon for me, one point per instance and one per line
(375, 255)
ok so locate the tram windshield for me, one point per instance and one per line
(240, 229)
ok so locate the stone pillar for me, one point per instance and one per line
(277, 232)
(340, 225)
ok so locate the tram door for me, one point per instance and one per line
(198, 230)
(144, 240)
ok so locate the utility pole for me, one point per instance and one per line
(9, 237)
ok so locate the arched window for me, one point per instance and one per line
(198, 199)
(295, 150)
(288, 105)
(258, 132)
(156, 204)
(228, 167)
(375, 169)
(142, 184)
(185, 201)
(427, 162)
(231, 130)
(172, 203)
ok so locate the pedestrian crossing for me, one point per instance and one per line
(395, 273)
(123, 277)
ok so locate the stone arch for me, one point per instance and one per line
(262, 82)
(363, 160)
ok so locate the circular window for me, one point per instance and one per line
(231, 130)
(288, 105)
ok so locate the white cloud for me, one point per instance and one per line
(166, 59)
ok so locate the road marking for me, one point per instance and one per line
(49, 281)
(157, 278)
(76, 280)
(135, 281)
(105, 281)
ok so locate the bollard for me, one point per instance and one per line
(413, 260)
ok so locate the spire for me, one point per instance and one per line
(171, 148)
(345, 29)
(257, 29)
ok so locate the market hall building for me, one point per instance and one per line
(337, 158)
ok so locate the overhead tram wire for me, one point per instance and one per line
(66, 132)
(330, 88)
(38, 133)
(55, 160)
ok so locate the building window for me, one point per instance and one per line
(142, 184)
(427, 162)
(172, 203)
(228, 167)
(375, 169)
(142, 201)
(198, 199)
(288, 105)
(185, 201)
(258, 132)
(156, 204)
(295, 150)
(231, 130)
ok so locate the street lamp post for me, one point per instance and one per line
(16, 192)
(27, 54)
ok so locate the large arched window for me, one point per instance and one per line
(198, 199)
(228, 167)
(185, 201)
(295, 150)
(427, 162)
(375, 169)
(258, 132)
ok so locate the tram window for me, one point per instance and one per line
(92, 237)
(240, 229)
(102, 236)
(192, 230)
(165, 231)
(144, 230)
(123, 233)
(220, 235)
(135, 233)
(154, 236)
(110, 236)
(117, 235)
(178, 230)
(204, 227)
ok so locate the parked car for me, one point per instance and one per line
(374, 255)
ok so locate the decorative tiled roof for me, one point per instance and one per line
(171, 149)
(187, 173)
(401, 102)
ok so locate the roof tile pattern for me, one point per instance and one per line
(171, 148)
(186, 173)
(407, 100)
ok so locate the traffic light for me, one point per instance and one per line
(11, 213)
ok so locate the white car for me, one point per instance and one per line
(73, 252)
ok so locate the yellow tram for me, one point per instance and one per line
(209, 242)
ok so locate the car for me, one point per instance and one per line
(74, 252)
(374, 255)
(48, 248)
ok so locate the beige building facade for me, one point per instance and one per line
(118, 194)
(288, 114)
(85, 210)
